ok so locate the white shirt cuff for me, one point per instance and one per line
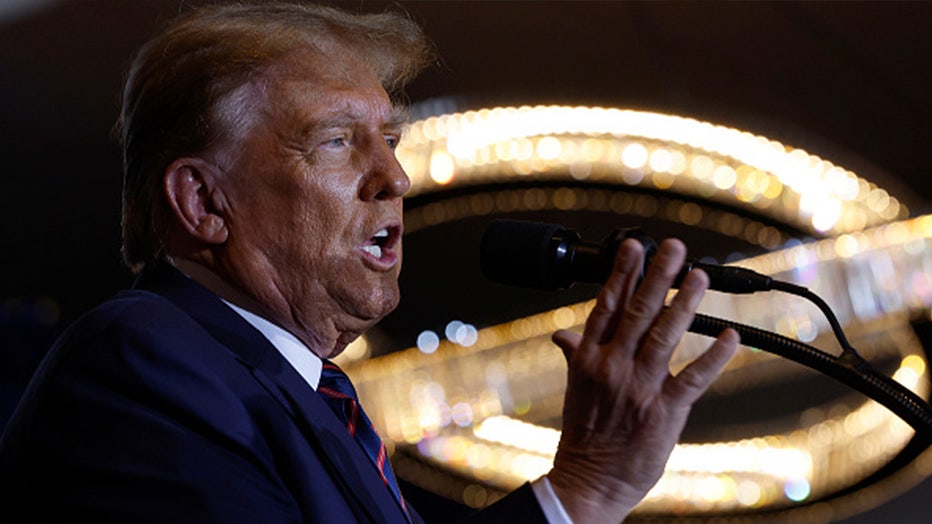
(549, 502)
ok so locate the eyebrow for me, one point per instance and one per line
(397, 118)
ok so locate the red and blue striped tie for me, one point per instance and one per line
(338, 393)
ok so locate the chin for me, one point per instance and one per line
(381, 301)
(389, 301)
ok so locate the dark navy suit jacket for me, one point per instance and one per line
(164, 405)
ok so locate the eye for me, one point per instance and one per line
(336, 142)
(392, 141)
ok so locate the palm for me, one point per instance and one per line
(624, 411)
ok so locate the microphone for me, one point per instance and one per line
(550, 257)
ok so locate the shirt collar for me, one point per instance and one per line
(305, 361)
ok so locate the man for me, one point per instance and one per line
(262, 207)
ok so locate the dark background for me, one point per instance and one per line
(848, 81)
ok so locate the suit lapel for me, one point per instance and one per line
(347, 463)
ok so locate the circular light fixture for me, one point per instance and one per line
(647, 150)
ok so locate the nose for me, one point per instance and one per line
(386, 178)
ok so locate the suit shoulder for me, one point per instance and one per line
(133, 318)
(138, 334)
(141, 346)
(131, 309)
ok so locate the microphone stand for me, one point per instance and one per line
(848, 368)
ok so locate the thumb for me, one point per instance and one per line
(568, 341)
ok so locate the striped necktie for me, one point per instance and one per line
(340, 395)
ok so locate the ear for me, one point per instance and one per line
(192, 188)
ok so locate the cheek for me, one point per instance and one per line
(327, 208)
(315, 223)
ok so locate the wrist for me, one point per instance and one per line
(587, 499)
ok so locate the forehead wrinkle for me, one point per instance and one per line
(321, 96)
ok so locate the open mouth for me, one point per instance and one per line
(382, 243)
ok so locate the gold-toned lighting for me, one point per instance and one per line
(652, 150)
(599, 199)
(471, 421)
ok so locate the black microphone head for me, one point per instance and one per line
(525, 254)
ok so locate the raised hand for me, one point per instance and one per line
(624, 411)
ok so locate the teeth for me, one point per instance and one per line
(373, 250)
(383, 233)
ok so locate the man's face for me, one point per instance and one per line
(314, 201)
